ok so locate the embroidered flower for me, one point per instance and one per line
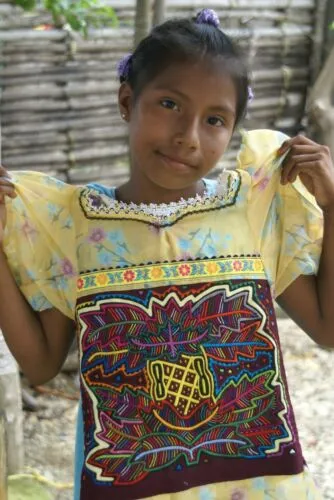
(53, 211)
(238, 495)
(258, 265)
(237, 265)
(27, 229)
(38, 302)
(97, 235)
(263, 184)
(68, 224)
(156, 272)
(129, 275)
(212, 267)
(184, 269)
(258, 173)
(67, 267)
(61, 282)
(80, 283)
(185, 244)
(102, 279)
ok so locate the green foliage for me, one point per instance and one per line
(78, 14)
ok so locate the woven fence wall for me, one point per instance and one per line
(59, 92)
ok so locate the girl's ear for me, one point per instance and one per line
(125, 101)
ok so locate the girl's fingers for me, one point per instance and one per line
(306, 167)
(293, 161)
(298, 140)
(304, 148)
(288, 165)
(7, 191)
(6, 181)
(7, 187)
(4, 172)
(301, 168)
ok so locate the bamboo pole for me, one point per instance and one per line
(3, 459)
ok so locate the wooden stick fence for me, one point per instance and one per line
(58, 105)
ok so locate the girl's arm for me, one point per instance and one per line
(38, 341)
(309, 300)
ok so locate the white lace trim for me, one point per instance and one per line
(223, 191)
(162, 210)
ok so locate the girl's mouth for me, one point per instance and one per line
(176, 163)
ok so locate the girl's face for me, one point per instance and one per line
(180, 125)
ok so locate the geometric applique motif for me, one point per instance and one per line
(179, 372)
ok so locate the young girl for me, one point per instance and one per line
(170, 280)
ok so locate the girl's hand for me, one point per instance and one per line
(313, 164)
(7, 188)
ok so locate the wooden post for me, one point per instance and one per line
(11, 408)
(143, 20)
(159, 12)
(319, 30)
(320, 108)
(3, 461)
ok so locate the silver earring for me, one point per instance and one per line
(123, 116)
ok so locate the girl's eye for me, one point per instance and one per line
(169, 104)
(216, 121)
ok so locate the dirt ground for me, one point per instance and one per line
(49, 432)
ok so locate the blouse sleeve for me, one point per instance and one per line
(39, 241)
(286, 221)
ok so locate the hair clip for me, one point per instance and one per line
(123, 67)
(207, 16)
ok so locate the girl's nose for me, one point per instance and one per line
(188, 135)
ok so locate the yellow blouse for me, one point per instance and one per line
(41, 239)
(69, 246)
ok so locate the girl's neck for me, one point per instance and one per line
(136, 193)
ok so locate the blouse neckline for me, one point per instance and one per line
(99, 202)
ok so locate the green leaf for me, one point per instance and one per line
(76, 23)
(24, 488)
(26, 4)
(79, 14)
